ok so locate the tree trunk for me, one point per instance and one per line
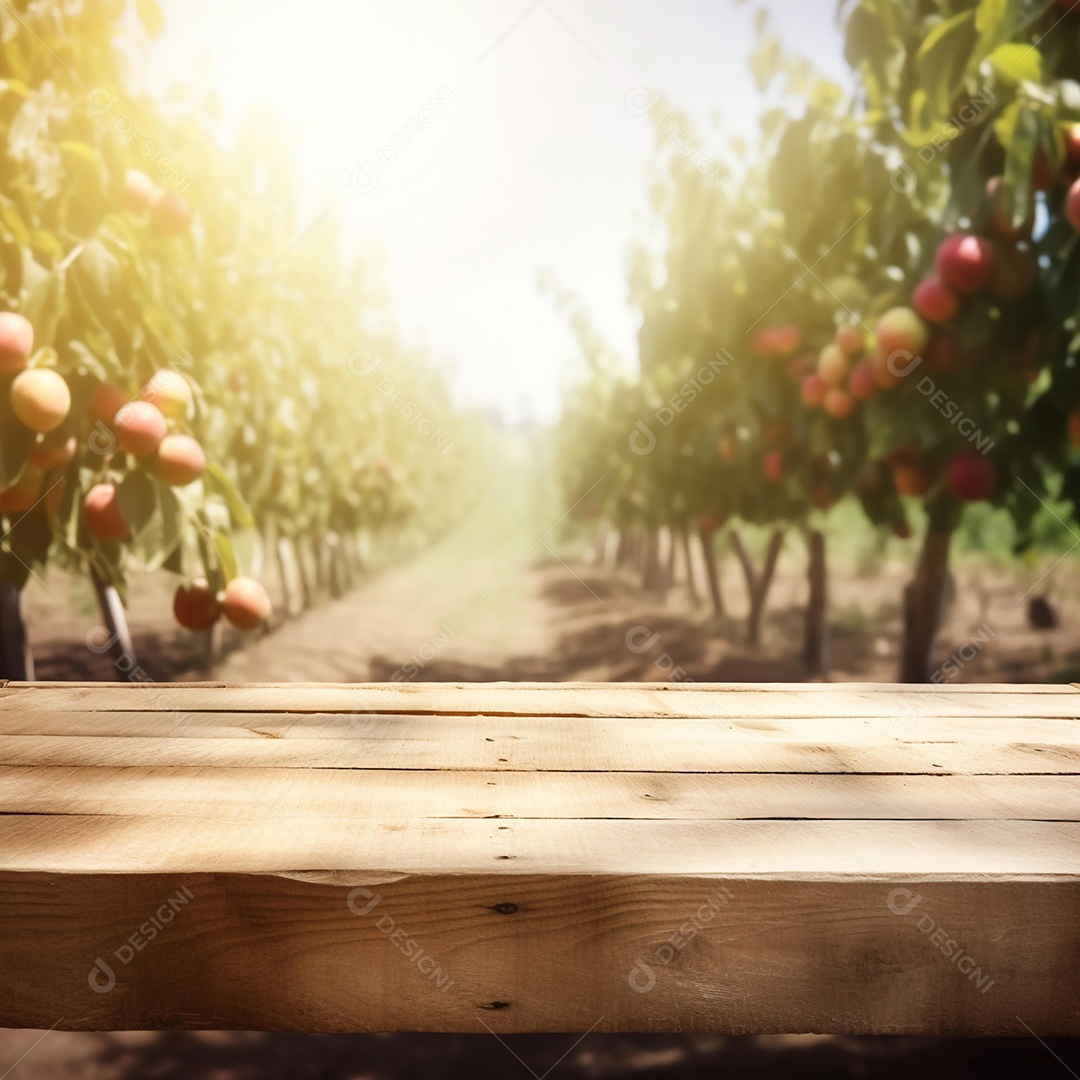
(641, 551)
(623, 550)
(306, 597)
(115, 620)
(669, 562)
(924, 601)
(361, 547)
(334, 560)
(757, 585)
(764, 583)
(599, 543)
(213, 646)
(816, 639)
(652, 574)
(712, 571)
(16, 660)
(688, 563)
(317, 559)
(281, 549)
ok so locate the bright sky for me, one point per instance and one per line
(522, 155)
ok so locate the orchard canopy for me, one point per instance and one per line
(877, 300)
(873, 303)
(169, 394)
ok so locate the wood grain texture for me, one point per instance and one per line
(541, 857)
(391, 795)
(642, 700)
(527, 953)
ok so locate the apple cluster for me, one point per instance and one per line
(144, 429)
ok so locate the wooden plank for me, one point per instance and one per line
(903, 726)
(615, 700)
(824, 688)
(670, 746)
(812, 850)
(889, 860)
(538, 953)
(391, 795)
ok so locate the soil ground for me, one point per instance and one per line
(499, 599)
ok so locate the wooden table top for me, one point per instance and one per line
(537, 857)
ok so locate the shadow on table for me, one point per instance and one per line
(258, 1056)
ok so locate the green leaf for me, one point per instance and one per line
(100, 270)
(174, 561)
(995, 22)
(1020, 146)
(226, 555)
(137, 498)
(170, 528)
(942, 60)
(217, 480)
(1016, 63)
(43, 296)
(87, 361)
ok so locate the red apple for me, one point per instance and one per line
(24, 493)
(813, 390)
(180, 460)
(971, 476)
(105, 402)
(247, 604)
(850, 340)
(772, 466)
(965, 263)
(934, 302)
(40, 398)
(776, 340)
(900, 330)
(138, 191)
(838, 403)
(911, 479)
(786, 339)
(862, 382)
(196, 606)
(832, 365)
(139, 428)
(170, 392)
(16, 341)
(1072, 205)
(54, 452)
(1072, 146)
(170, 213)
(101, 512)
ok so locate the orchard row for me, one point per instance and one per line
(900, 305)
(175, 389)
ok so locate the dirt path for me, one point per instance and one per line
(493, 601)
